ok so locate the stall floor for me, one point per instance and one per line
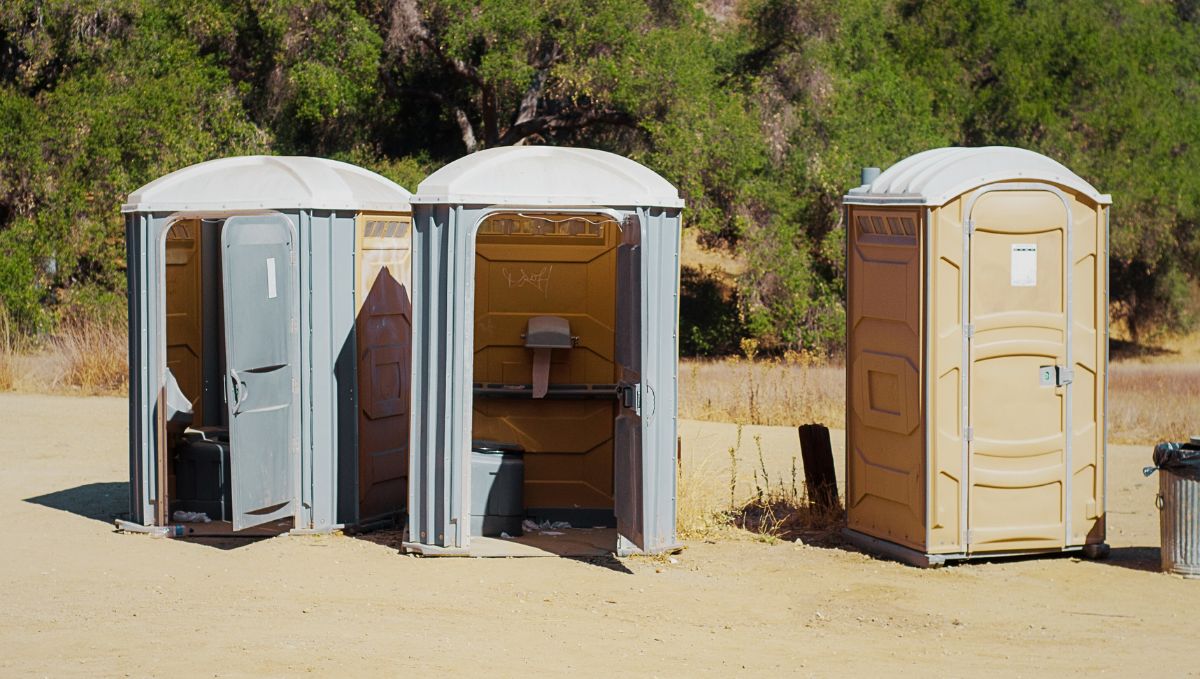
(571, 542)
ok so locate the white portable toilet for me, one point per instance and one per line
(545, 322)
(269, 297)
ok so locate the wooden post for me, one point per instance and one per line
(820, 479)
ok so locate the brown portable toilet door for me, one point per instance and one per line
(384, 331)
(1017, 352)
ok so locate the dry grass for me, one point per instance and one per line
(789, 391)
(777, 509)
(702, 509)
(1151, 402)
(95, 357)
(8, 368)
(83, 358)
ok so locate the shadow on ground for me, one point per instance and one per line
(392, 538)
(610, 562)
(1134, 558)
(107, 501)
(104, 501)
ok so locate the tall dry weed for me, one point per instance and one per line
(92, 357)
(700, 510)
(798, 388)
(8, 355)
(784, 511)
(777, 507)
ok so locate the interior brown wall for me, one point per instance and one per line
(184, 303)
(562, 267)
(185, 322)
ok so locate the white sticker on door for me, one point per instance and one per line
(1024, 265)
(271, 292)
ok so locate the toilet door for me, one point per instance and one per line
(627, 453)
(1018, 354)
(262, 353)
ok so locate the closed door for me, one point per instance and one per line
(384, 329)
(262, 345)
(1017, 357)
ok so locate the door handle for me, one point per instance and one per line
(239, 395)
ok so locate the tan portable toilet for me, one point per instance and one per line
(977, 357)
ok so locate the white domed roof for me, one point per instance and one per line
(269, 183)
(937, 176)
(546, 176)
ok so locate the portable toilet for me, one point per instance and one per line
(546, 285)
(977, 357)
(269, 320)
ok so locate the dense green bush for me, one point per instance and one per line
(762, 112)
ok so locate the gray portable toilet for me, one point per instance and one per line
(546, 288)
(269, 297)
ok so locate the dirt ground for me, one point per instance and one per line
(79, 599)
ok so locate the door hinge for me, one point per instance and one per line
(969, 330)
(969, 434)
(970, 226)
(295, 386)
(970, 536)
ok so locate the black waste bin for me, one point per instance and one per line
(202, 475)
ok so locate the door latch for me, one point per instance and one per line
(631, 397)
(1055, 376)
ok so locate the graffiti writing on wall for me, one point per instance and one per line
(538, 279)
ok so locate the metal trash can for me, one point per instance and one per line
(497, 488)
(1179, 506)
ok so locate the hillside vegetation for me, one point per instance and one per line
(761, 111)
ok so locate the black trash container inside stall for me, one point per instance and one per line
(202, 474)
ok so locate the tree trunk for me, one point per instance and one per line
(491, 133)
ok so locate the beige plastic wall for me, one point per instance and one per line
(885, 485)
(1017, 498)
(945, 379)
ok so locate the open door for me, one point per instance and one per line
(627, 459)
(262, 352)
(1019, 353)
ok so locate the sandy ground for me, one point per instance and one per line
(80, 599)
